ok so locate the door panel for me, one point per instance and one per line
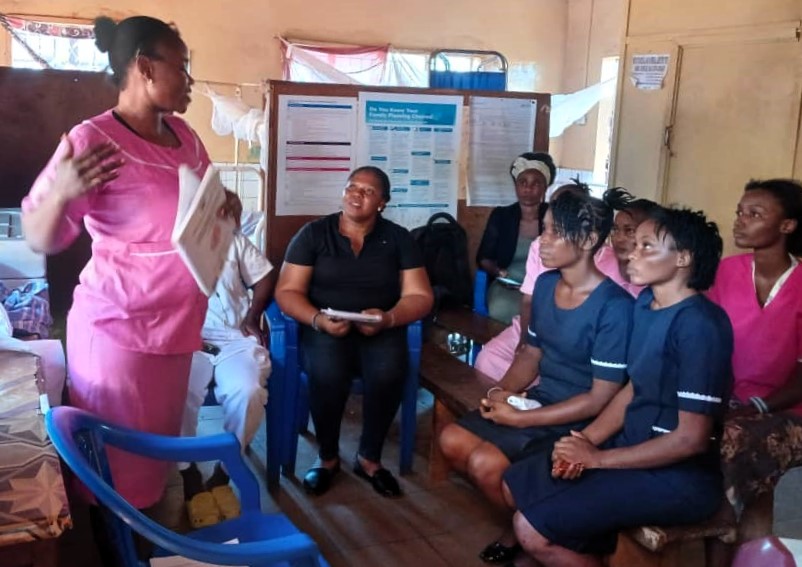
(736, 118)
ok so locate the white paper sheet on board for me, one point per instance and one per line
(501, 129)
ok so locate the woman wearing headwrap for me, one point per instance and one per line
(510, 230)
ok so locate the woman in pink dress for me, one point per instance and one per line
(761, 292)
(137, 311)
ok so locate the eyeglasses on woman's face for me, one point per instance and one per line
(354, 188)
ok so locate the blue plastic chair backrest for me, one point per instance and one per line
(480, 293)
(79, 437)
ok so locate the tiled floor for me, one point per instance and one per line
(433, 525)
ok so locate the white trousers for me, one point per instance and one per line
(240, 372)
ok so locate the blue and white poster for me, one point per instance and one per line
(416, 140)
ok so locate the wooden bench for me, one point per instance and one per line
(457, 389)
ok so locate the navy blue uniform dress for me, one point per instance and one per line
(679, 360)
(580, 344)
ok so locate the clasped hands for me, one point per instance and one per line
(572, 455)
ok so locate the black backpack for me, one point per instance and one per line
(445, 256)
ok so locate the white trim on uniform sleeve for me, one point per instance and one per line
(699, 397)
(605, 364)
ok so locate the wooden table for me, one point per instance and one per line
(33, 502)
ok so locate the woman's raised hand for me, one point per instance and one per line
(77, 175)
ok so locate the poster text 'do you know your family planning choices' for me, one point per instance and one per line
(416, 140)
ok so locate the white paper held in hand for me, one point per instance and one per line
(352, 316)
(200, 236)
(523, 403)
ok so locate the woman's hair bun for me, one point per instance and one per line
(105, 31)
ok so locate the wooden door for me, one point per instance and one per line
(735, 118)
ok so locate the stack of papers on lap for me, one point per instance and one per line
(201, 237)
(352, 316)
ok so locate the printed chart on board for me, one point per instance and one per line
(315, 151)
(416, 140)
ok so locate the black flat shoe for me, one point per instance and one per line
(318, 479)
(382, 481)
(499, 553)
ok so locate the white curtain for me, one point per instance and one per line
(567, 109)
(231, 116)
(357, 65)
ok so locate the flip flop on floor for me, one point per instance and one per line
(203, 511)
(226, 501)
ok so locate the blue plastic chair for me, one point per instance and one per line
(480, 284)
(294, 392)
(264, 539)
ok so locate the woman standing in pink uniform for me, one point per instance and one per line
(761, 291)
(137, 311)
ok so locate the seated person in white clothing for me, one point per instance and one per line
(234, 355)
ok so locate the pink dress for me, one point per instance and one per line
(768, 339)
(496, 356)
(137, 311)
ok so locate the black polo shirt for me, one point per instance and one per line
(341, 280)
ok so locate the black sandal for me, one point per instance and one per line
(497, 552)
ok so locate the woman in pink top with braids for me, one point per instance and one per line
(761, 291)
(137, 311)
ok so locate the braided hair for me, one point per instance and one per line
(577, 216)
(692, 232)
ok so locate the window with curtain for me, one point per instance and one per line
(364, 65)
(42, 44)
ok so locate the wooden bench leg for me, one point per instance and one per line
(630, 553)
(438, 466)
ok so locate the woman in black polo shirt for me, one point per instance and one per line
(355, 261)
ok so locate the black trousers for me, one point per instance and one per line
(332, 363)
